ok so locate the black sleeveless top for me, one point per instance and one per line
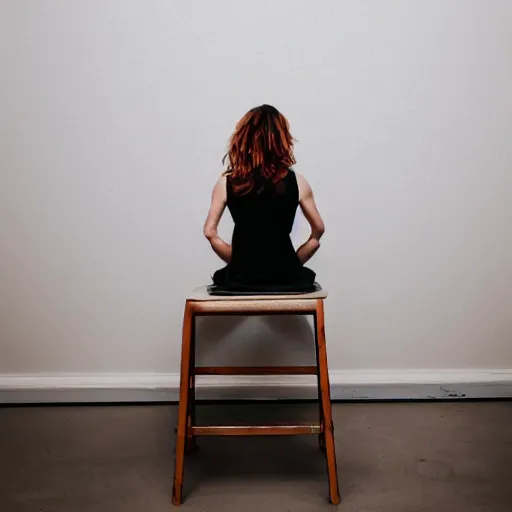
(263, 257)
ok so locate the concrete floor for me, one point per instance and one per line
(399, 457)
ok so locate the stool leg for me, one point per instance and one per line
(181, 433)
(321, 436)
(191, 443)
(325, 393)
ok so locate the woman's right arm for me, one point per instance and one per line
(310, 211)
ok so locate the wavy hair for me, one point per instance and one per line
(260, 149)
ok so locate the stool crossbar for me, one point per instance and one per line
(202, 304)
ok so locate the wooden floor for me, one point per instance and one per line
(402, 457)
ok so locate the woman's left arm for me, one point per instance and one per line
(217, 206)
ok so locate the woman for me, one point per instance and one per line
(262, 193)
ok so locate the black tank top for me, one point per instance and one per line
(263, 255)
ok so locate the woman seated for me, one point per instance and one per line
(262, 193)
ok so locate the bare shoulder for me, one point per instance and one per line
(304, 186)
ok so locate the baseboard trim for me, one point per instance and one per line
(345, 385)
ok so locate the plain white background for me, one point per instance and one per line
(114, 117)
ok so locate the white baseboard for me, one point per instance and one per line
(345, 385)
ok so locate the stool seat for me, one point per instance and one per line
(201, 294)
(201, 303)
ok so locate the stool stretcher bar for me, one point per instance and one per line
(257, 430)
(255, 370)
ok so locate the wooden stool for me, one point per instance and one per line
(200, 303)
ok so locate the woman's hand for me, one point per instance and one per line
(307, 249)
(222, 249)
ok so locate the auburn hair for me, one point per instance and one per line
(260, 149)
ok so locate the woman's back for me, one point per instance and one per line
(268, 207)
(262, 249)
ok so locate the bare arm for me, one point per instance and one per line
(217, 206)
(310, 211)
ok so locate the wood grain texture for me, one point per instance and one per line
(327, 426)
(191, 443)
(183, 407)
(254, 307)
(256, 430)
(256, 370)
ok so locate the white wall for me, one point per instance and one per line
(114, 117)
